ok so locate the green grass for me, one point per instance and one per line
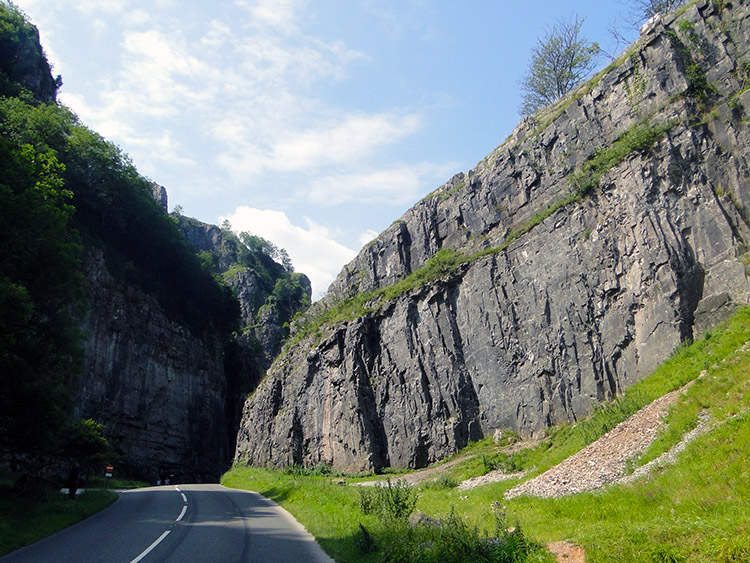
(695, 510)
(24, 520)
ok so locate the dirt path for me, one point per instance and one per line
(418, 476)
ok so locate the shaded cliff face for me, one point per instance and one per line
(160, 390)
(22, 60)
(590, 244)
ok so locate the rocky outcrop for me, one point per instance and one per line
(253, 276)
(22, 59)
(161, 392)
(598, 237)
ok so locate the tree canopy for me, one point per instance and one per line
(560, 61)
(64, 188)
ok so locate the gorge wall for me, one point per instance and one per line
(570, 262)
(160, 391)
(170, 396)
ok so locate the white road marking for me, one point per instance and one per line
(165, 534)
(184, 499)
(151, 547)
(184, 510)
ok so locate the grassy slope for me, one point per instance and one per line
(25, 520)
(695, 510)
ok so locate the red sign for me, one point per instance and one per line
(109, 469)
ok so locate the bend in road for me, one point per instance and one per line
(197, 523)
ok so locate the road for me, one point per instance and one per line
(182, 523)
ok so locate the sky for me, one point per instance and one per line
(312, 123)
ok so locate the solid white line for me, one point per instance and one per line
(184, 498)
(152, 546)
(184, 510)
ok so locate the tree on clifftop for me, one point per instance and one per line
(560, 61)
(646, 9)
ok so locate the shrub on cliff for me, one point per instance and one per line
(560, 61)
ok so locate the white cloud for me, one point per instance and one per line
(278, 14)
(312, 249)
(354, 138)
(367, 237)
(400, 185)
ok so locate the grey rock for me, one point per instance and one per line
(571, 313)
(160, 391)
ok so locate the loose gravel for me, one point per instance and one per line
(603, 461)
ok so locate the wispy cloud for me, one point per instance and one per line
(278, 14)
(399, 185)
(239, 100)
(348, 141)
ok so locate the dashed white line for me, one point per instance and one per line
(151, 547)
(184, 500)
(184, 510)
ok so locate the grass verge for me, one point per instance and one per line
(697, 509)
(24, 520)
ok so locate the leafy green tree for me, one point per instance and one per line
(24, 70)
(40, 283)
(87, 444)
(291, 294)
(560, 61)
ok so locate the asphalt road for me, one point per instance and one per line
(182, 523)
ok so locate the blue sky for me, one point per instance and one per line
(314, 124)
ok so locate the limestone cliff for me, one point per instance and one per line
(562, 269)
(269, 295)
(160, 390)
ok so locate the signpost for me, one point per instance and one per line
(110, 468)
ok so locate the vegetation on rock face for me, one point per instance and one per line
(447, 261)
(560, 61)
(232, 258)
(40, 285)
(64, 188)
(24, 70)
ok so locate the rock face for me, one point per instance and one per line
(22, 61)
(161, 391)
(558, 302)
(253, 277)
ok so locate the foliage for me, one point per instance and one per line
(142, 244)
(259, 244)
(63, 188)
(393, 502)
(452, 540)
(441, 482)
(39, 339)
(560, 61)
(694, 510)
(22, 61)
(638, 138)
(699, 88)
(320, 470)
(87, 444)
(507, 463)
(646, 9)
(277, 288)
